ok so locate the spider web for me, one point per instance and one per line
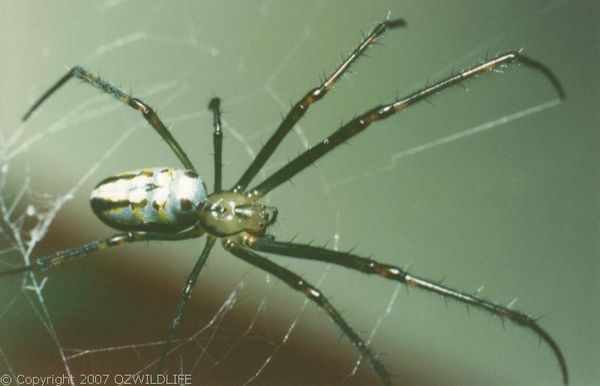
(108, 313)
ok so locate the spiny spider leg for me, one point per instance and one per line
(365, 265)
(96, 245)
(186, 294)
(215, 106)
(361, 122)
(314, 294)
(137, 104)
(300, 108)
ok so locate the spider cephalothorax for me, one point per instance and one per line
(172, 204)
(228, 213)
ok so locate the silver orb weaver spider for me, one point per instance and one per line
(172, 204)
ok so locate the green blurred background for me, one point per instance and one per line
(514, 209)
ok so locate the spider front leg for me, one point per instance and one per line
(312, 293)
(314, 95)
(360, 123)
(369, 266)
(137, 104)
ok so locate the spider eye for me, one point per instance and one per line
(218, 210)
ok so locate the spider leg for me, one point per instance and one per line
(369, 266)
(361, 122)
(215, 106)
(186, 294)
(137, 104)
(312, 293)
(300, 108)
(66, 255)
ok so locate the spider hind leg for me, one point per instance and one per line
(135, 103)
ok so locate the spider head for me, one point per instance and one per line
(228, 213)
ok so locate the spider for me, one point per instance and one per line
(168, 203)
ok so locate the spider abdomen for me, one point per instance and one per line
(154, 199)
